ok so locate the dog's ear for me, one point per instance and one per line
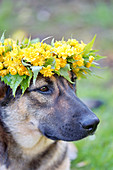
(3, 89)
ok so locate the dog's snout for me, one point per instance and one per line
(90, 124)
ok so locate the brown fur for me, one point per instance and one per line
(23, 143)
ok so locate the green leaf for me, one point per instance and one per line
(2, 37)
(25, 63)
(64, 72)
(97, 64)
(83, 68)
(30, 75)
(93, 51)
(17, 42)
(25, 41)
(50, 61)
(15, 82)
(57, 72)
(35, 70)
(36, 40)
(46, 39)
(24, 84)
(7, 79)
(82, 75)
(62, 39)
(93, 65)
(29, 41)
(68, 67)
(52, 42)
(98, 57)
(88, 47)
(71, 60)
(8, 48)
(26, 81)
(95, 75)
(87, 70)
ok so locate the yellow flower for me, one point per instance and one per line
(82, 44)
(63, 51)
(63, 62)
(47, 71)
(38, 61)
(2, 49)
(1, 59)
(80, 62)
(7, 60)
(35, 56)
(77, 57)
(76, 70)
(9, 41)
(12, 55)
(57, 64)
(1, 66)
(57, 44)
(88, 65)
(22, 70)
(71, 51)
(46, 47)
(60, 62)
(12, 70)
(46, 54)
(4, 72)
(85, 71)
(26, 73)
(74, 65)
(91, 58)
(72, 42)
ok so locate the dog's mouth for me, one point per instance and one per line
(68, 135)
(51, 137)
(68, 139)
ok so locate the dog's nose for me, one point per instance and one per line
(90, 124)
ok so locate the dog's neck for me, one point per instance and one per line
(29, 158)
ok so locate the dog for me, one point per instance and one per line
(35, 128)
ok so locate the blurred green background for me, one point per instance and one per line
(81, 19)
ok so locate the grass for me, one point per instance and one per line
(96, 153)
(103, 12)
(77, 19)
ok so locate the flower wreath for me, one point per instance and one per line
(20, 61)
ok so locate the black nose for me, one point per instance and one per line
(90, 124)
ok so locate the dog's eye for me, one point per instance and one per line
(74, 78)
(44, 89)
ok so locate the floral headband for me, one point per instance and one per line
(20, 61)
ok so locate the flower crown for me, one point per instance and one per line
(20, 61)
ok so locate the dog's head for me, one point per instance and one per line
(50, 108)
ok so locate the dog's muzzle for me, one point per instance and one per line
(71, 131)
(70, 124)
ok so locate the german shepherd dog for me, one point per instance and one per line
(35, 127)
